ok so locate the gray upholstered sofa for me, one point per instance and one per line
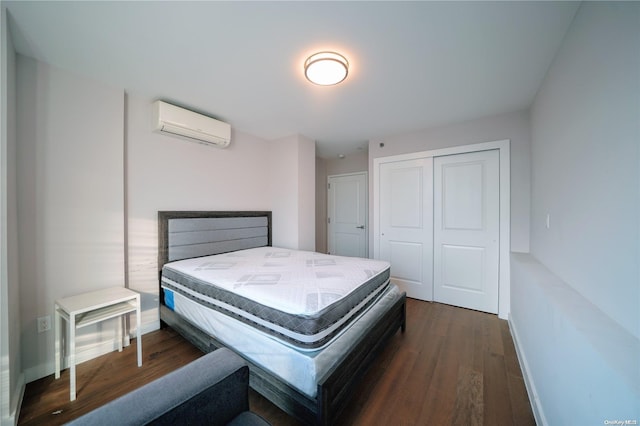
(212, 390)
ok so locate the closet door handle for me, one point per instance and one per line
(360, 227)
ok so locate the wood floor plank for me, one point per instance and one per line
(493, 334)
(522, 414)
(362, 394)
(469, 407)
(442, 389)
(418, 382)
(498, 408)
(451, 366)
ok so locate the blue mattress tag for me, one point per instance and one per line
(168, 299)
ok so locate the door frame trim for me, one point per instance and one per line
(503, 146)
(366, 207)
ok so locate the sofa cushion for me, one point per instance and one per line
(247, 418)
(211, 390)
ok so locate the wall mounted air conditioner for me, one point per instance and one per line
(196, 127)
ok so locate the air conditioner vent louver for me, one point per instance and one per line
(181, 122)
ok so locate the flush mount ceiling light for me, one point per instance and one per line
(326, 68)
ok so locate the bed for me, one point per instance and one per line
(306, 364)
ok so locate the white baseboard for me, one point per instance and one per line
(149, 327)
(538, 412)
(15, 412)
(11, 418)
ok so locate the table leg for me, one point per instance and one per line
(72, 357)
(119, 333)
(138, 326)
(56, 333)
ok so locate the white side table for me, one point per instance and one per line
(89, 308)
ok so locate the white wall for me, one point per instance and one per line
(306, 178)
(575, 299)
(292, 179)
(351, 163)
(168, 173)
(513, 126)
(585, 153)
(284, 189)
(321, 205)
(75, 151)
(11, 377)
(70, 202)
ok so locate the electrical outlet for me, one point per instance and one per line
(44, 323)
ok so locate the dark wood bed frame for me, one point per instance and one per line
(334, 388)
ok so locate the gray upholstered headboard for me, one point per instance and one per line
(185, 234)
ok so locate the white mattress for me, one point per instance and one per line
(303, 298)
(300, 369)
(292, 281)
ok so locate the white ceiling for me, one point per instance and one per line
(414, 65)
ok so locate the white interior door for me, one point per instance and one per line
(467, 230)
(406, 224)
(347, 233)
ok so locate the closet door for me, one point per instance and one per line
(406, 224)
(467, 230)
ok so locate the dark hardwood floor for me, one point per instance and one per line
(451, 366)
